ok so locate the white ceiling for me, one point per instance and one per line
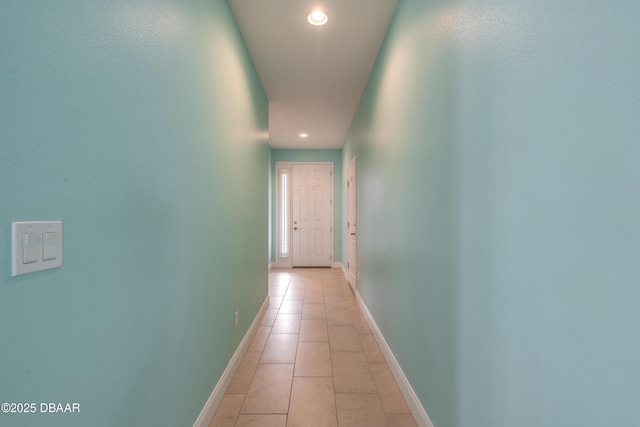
(313, 76)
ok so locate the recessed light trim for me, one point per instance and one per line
(317, 17)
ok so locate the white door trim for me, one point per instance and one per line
(287, 262)
(352, 258)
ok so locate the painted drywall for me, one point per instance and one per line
(498, 205)
(335, 156)
(142, 126)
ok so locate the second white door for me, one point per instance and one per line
(312, 215)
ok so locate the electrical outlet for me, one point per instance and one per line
(237, 318)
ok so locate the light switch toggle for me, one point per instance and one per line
(50, 246)
(30, 247)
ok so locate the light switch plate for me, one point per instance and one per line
(44, 251)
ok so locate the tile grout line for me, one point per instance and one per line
(377, 392)
(333, 381)
(259, 358)
(294, 358)
(257, 365)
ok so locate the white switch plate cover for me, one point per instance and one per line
(18, 229)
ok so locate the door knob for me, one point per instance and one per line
(295, 228)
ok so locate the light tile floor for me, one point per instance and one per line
(313, 362)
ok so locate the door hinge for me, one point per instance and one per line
(330, 173)
(330, 201)
(347, 264)
(331, 229)
(331, 257)
(347, 184)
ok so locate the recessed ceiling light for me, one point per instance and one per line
(317, 17)
(304, 135)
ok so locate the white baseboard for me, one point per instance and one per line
(417, 410)
(270, 267)
(210, 408)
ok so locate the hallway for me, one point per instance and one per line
(313, 362)
(498, 204)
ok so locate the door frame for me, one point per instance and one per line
(352, 164)
(286, 260)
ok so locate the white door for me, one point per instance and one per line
(312, 215)
(351, 225)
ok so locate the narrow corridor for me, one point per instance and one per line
(313, 362)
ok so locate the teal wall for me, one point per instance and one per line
(141, 125)
(335, 156)
(498, 191)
